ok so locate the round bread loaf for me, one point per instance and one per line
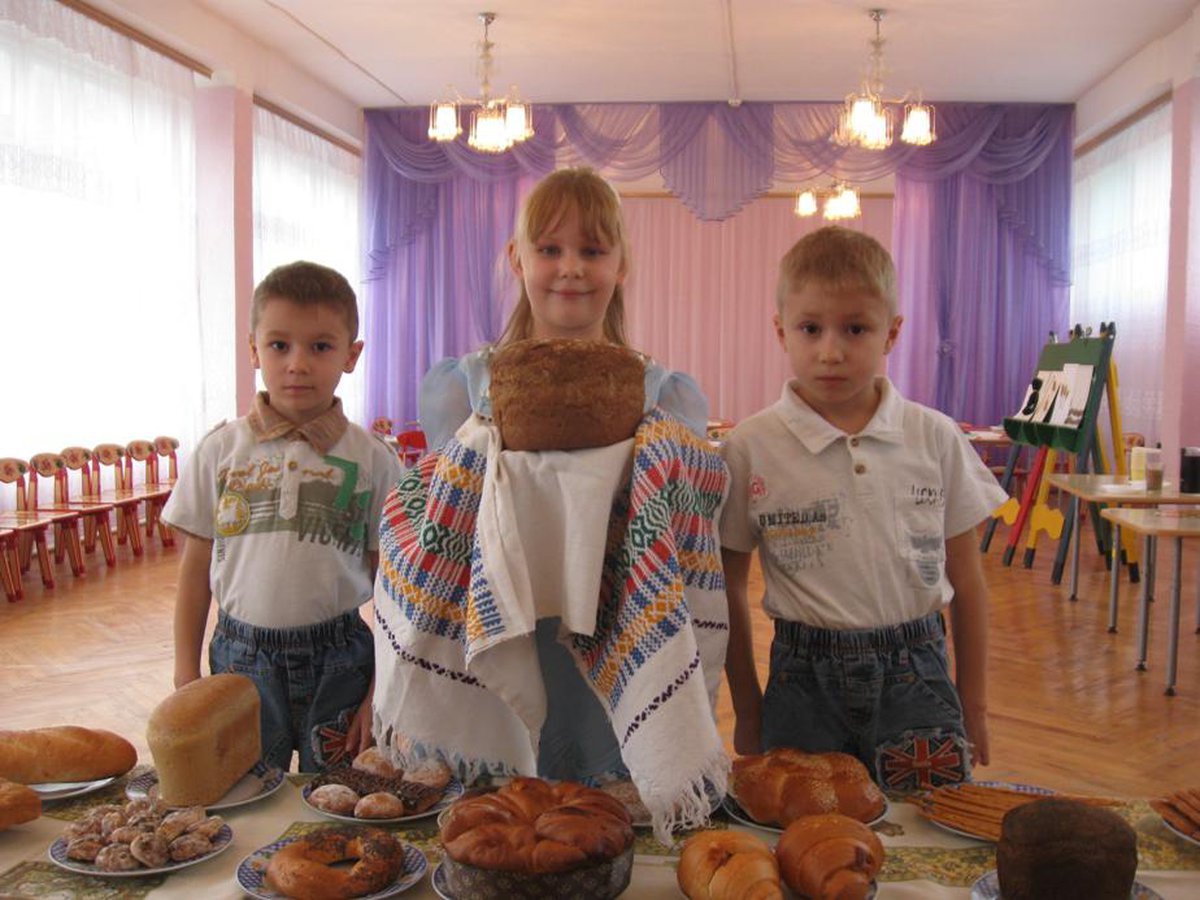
(566, 394)
(781, 785)
(1067, 850)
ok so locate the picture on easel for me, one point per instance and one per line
(1057, 396)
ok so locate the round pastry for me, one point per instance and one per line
(784, 784)
(380, 805)
(372, 760)
(566, 394)
(534, 839)
(432, 773)
(335, 798)
(829, 857)
(728, 865)
(1065, 849)
(305, 868)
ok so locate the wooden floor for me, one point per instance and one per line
(1067, 709)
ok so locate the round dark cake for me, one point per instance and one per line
(1066, 850)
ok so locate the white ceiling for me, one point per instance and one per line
(398, 52)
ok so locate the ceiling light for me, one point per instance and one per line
(866, 117)
(496, 122)
(841, 202)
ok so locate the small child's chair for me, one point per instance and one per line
(152, 490)
(111, 457)
(28, 528)
(411, 445)
(97, 524)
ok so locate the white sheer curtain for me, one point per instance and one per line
(306, 200)
(1121, 222)
(701, 295)
(97, 236)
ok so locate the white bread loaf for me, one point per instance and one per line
(204, 737)
(63, 753)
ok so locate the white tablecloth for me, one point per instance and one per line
(916, 850)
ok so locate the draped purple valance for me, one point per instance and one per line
(981, 226)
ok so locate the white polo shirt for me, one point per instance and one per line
(851, 530)
(291, 528)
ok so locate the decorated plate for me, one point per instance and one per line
(1179, 834)
(988, 888)
(58, 856)
(252, 872)
(438, 878)
(261, 781)
(1031, 789)
(735, 811)
(60, 790)
(454, 790)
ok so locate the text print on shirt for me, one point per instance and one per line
(920, 518)
(800, 539)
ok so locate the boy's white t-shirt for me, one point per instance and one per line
(851, 530)
(290, 528)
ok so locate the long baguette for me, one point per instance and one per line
(63, 753)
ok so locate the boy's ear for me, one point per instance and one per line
(254, 353)
(777, 321)
(352, 357)
(893, 333)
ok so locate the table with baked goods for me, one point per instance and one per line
(922, 861)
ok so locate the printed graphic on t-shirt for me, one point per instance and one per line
(801, 538)
(320, 504)
(920, 526)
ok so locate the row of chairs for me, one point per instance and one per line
(57, 493)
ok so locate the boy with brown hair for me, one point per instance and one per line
(280, 509)
(863, 507)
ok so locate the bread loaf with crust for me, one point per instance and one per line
(564, 394)
(65, 753)
(18, 804)
(728, 865)
(204, 738)
(829, 857)
(781, 785)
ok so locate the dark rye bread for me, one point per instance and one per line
(566, 394)
(1065, 850)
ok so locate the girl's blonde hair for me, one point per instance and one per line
(599, 209)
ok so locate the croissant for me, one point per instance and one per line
(728, 865)
(829, 857)
(781, 785)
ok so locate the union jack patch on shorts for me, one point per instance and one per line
(922, 761)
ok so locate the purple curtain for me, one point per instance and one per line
(981, 228)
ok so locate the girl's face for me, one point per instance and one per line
(569, 279)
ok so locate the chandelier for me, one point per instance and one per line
(496, 122)
(866, 117)
(841, 202)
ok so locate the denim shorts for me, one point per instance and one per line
(310, 682)
(884, 695)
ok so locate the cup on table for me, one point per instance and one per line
(1137, 464)
(1154, 469)
(1189, 470)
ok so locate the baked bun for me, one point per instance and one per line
(784, 784)
(305, 870)
(373, 761)
(728, 865)
(18, 804)
(535, 839)
(829, 857)
(566, 394)
(1067, 850)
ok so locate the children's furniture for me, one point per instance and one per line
(29, 527)
(411, 445)
(153, 491)
(111, 458)
(10, 565)
(52, 467)
(97, 523)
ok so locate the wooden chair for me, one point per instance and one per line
(29, 527)
(411, 445)
(10, 565)
(94, 514)
(153, 491)
(52, 467)
(111, 457)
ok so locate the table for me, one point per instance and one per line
(1153, 524)
(1112, 490)
(923, 862)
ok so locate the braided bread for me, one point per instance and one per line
(829, 857)
(781, 785)
(728, 865)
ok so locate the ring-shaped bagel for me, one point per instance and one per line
(303, 870)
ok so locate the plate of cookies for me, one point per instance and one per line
(371, 790)
(261, 781)
(138, 838)
(361, 862)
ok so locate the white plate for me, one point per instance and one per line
(438, 880)
(988, 888)
(1019, 788)
(58, 856)
(59, 790)
(454, 790)
(261, 781)
(252, 871)
(736, 812)
(1179, 834)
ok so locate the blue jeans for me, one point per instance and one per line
(310, 682)
(884, 695)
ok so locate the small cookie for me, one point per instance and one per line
(380, 805)
(335, 798)
(150, 850)
(117, 858)
(189, 846)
